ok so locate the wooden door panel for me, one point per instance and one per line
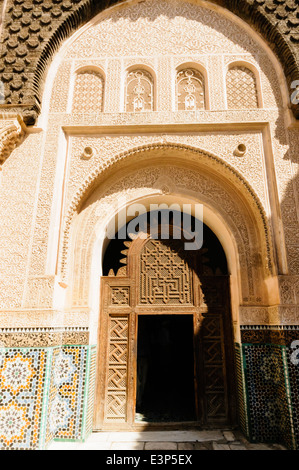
(144, 290)
(116, 379)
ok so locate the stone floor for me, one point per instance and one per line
(165, 440)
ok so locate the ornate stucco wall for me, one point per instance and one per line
(33, 31)
(63, 178)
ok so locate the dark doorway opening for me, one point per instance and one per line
(165, 369)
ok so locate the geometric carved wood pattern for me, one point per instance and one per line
(165, 277)
(88, 92)
(120, 296)
(190, 90)
(159, 278)
(213, 366)
(241, 88)
(116, 398)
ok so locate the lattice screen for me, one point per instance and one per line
(88, 92)
(165, 277)
(241, 88)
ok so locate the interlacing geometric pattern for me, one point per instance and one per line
(139, 91)
(88, 92)
(16, 374)
(213, 360)
(22, 382)
(117, 369)
(241, 88)
(120, 295)
(190, 90)
(165, 277)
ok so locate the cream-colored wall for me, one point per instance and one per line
(49, 272)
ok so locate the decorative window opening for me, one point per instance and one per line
(88, 92)
(241, 88)
(139, 91)
(190, 90)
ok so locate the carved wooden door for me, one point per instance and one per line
(160, 278)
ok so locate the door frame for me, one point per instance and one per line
(119, 302)
(132, 314)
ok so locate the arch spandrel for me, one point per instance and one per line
(277, 30)
(201, 31)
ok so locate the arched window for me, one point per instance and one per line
(241, 88)
(190, 90)
(88, 92)
(139, 94)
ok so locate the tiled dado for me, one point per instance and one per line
(71, 391)
(268, 383)
(45, 393)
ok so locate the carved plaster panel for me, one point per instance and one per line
(42, 337)
(254, 315)
(47, 318)
(143, 183)
(251, 166)
(276, 315)
(289, 290)
(289, 315)
(265, 72)
(164, 118)
(39, 292)
(17, 203)
(183, 28)
(43, 202)
(162, 36)
(286, 169)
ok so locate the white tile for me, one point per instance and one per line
(95, 446)
(63, 445)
